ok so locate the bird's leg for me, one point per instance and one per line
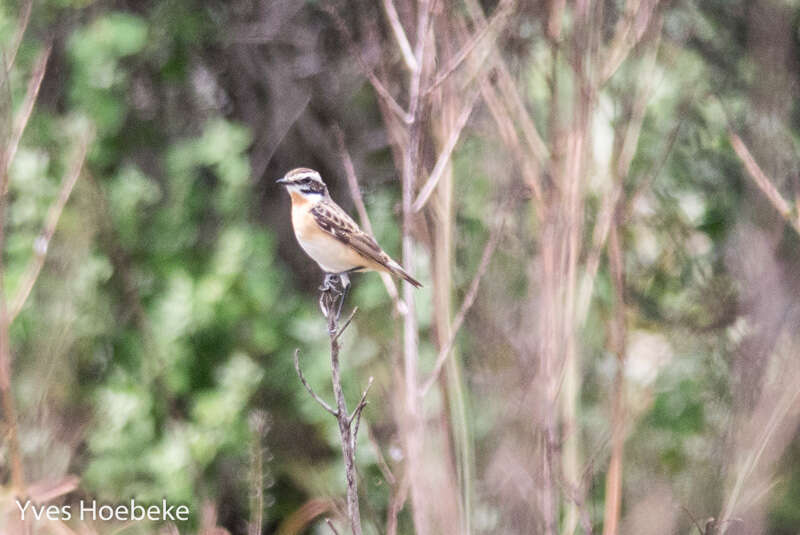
(327, 294)
(344, 288)
(333, 290)
(327, 284)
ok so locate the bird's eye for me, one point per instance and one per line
(306, 181)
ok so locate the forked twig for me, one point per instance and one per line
(331, 297)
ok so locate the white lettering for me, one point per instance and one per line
(85, 510)
(106, 512)
(182, 513)
(22, 509)
(137, 511)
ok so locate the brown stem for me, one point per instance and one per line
(344, 426)
(617, 338)
(332, 294)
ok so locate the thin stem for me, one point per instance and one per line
(26, 109)
(444, 157)
(400, 35)
(314, 395)
(346, 324)
(501, 11)
(330, 525)
(25, 16)
(469, 300)
(377, 85)
(42, 242)
(330, 299)
(763, 182)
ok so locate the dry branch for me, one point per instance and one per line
(764, 183)
(22, 25)
(42, 243)
(322, 402)
(444, 158)
(333, 292)
(377, 85)
(28, 103)
(501, 11)
(400, 35)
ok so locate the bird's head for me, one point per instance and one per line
(304, 182)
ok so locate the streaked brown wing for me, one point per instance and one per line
(338, 224)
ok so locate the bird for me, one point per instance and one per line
(330, 237)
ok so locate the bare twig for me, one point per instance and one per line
(629, 32)
(330, 300)
(382, 464)
(444, 157)
(396, 503)
(330, 525)
(355, 194)
(28, 103)
(764, 183)
(258, 427)
(501, 11)
(318, 399)
(42, 243)
(356, 416)
(469, 300)
(346, 324)
(22, 25)
(400, 35)
(655, 170)
(368, 72)
(362, 402)
(345, 429)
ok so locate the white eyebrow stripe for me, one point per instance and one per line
(307, 175)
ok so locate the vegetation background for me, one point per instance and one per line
(600, 196)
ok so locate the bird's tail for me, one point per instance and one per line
(398, 270)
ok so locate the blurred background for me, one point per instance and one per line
(600, 198)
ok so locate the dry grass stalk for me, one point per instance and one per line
(764, 183)
(469, 300)
(22, 25)
(24, 114)
(42, 243)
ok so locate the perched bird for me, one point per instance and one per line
(329, 236)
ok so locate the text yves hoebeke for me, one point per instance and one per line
(91, 510)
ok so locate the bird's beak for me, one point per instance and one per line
(282, 181)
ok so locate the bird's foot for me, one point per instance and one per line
(333, 292)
